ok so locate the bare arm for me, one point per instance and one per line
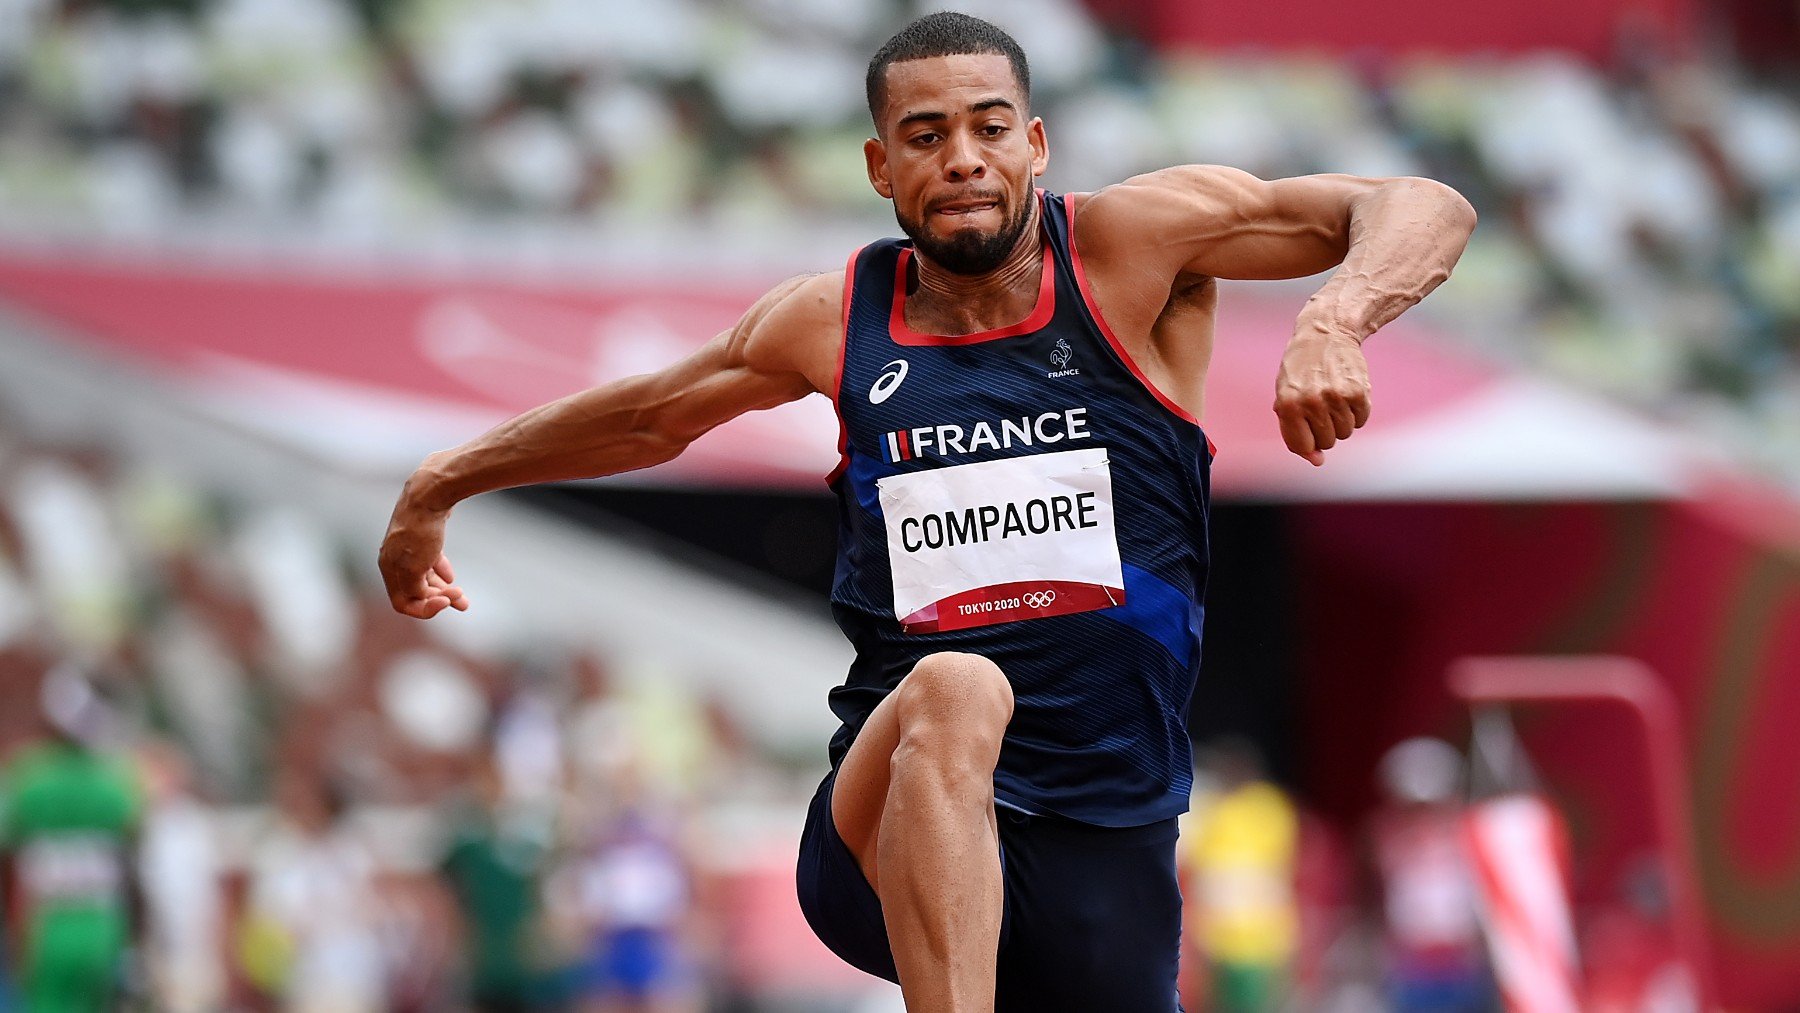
(1396, 239)
(783, 349)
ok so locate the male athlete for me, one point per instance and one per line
(1023, 492)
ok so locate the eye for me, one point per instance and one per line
(993, 130)
(924, 139)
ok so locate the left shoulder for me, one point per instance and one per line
(1159, 215)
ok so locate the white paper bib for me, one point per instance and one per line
(72, 867)
(1023, 538)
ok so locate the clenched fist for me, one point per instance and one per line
(419, 580)
(1321, 393)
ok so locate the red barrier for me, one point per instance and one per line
(1706, 593)
(1623, 682)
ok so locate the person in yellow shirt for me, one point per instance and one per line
(1240, 846)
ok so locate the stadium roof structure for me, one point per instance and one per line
(374, 372)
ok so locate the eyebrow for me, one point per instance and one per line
(979, 107)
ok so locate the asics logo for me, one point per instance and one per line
(1038, 599)
(888, 381)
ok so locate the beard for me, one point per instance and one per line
(967, 251)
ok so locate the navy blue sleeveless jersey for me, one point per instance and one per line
(1099, 730)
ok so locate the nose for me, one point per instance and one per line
(962, 159)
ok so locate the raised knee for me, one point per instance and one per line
(952, 698)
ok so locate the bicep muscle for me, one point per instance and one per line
(1226, 223)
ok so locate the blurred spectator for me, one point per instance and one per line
(180, 866)
(492, 869)
(72, 552)
(419, 928)
(311, 931)
(292, 576)
(430, 698)
(528, 746)
(632, 894)
(69, 812)
(1241, 845)
(1434, 948)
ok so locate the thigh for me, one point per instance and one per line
(948, 697)
(1094, 917)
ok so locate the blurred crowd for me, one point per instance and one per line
(233, 779)
(1409, 913)
(1641, 221)
(230, 778)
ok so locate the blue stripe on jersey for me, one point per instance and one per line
(864, 472)
(1099, 729)
(1160, 612)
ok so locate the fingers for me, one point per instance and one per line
(426, 606)
(1328, 424)
(1298, 434)
(430, 594)
(1312, 423)
(444, 578)
(1322, 393)
(438, 587)
(422, 608)
(1343, 421)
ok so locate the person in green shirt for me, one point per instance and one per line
(492, 867)
(68, 816)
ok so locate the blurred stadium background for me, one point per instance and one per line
(257, 257)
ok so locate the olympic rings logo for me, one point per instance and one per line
(1039, 599)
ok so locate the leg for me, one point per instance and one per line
(914, 801)
(1096, 917)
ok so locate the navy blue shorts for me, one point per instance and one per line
(1092, 918)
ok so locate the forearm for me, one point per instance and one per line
(641, 420)
(601, 431)
(1405, 236)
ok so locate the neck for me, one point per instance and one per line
(1018, 272)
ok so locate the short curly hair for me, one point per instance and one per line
(945, 33)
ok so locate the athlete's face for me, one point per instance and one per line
(957, 155)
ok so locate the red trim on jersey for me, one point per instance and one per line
(1118, 347)
(906, 453)
(837, 383)
(1039, 317)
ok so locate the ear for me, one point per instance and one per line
(875, 154)
(1040, 146)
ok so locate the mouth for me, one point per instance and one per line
(958, 208)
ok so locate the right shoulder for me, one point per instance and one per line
(805, 300)
(797, 326)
